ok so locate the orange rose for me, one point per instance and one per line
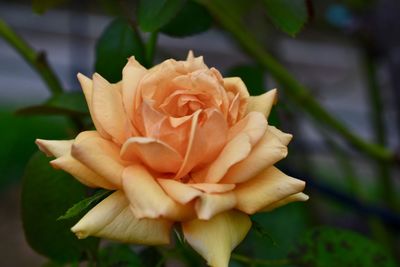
(178, 143)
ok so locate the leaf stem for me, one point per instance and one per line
(294, 89)
(150, 48)
(260, 262)
(36, 59)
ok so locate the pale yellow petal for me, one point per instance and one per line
(254, 125)
(113, 219)
(268, 187)
(266, 152)
(99, 155)
(236, 85)
(208, 205)
(263, 103)
(293, 198)
(87, 88)
(148, 200)
(156, 154)
(213, 188)
(180, 192)
(54, 148)
(109, 110)
(215, 239)
(285, 138)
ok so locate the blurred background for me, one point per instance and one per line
(346, 57)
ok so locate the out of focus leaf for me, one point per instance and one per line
(151, 257)
(46, 194)
(331, 247)
(154, 14)
(72, 103)
(118, 42)
(118, 255)
(85, 204)
(288, 15)
(41, 6)
(263, 232)
(191, 19)
(252, 76)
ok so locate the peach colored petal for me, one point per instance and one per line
(293, 198)
(263, 103)
(265, 153)
(99, 155)
(236, 85)
(109, 110)
(208, 205)
(113, 219)
(154, 153)
(148, 200)
(87, 88)
(132, 74)
(268, 187)
(236, 150)
(54, 147)
(180, 192)
(254, 125)
(285, 138)
(82, 173)
(214, 239)
(213, 188)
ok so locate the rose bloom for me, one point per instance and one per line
(179, 144)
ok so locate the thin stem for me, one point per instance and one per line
(261, 262)
(150, 48)
(294, 89)
(36, 59)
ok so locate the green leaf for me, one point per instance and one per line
(118, 255)
(288, 15)
(252, 76)
(72, 103)
(41, 6)
(85, 204)
(118, 42)
(262, 232)
(46, 194)
(191, 19)
(332, 247)
(154, 14)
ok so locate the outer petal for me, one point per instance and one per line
(213, 188)
(263, 103)
(180, 192)
(154, 153)
(209, 205)
(99, 155)
(254, 125)
(148, 200)
(87, 87)
(293, 198)
(268, 187)
(269, 150)
(109, 109)
(113, 219)
(216, 238)
(236, 85)
(54, 148)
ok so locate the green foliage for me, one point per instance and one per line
(118, 255)
(288, 15)
(331, 247)
(252, 76)
(118, 42)
(41, 6)
(151, 257)
(85, 204)
(191, 19)
(71, 103)
(46, 194)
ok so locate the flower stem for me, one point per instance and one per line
(36, 59)
(150, 48)
(299, 93)
(260, 262)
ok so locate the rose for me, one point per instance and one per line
(178, 143)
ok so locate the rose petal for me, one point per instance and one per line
(268, 187)
(213, 188)
(156, 154)
(216, 238)
(263, 103)
(254, 125)
(113, 219)
(285, 138)
(109, 109)
(293, 198)
(180, 192)
(266, 152)
(87, 88)
(236, 85)
(208, 205)
(99, 155)
(147, 198)
(54, 148)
